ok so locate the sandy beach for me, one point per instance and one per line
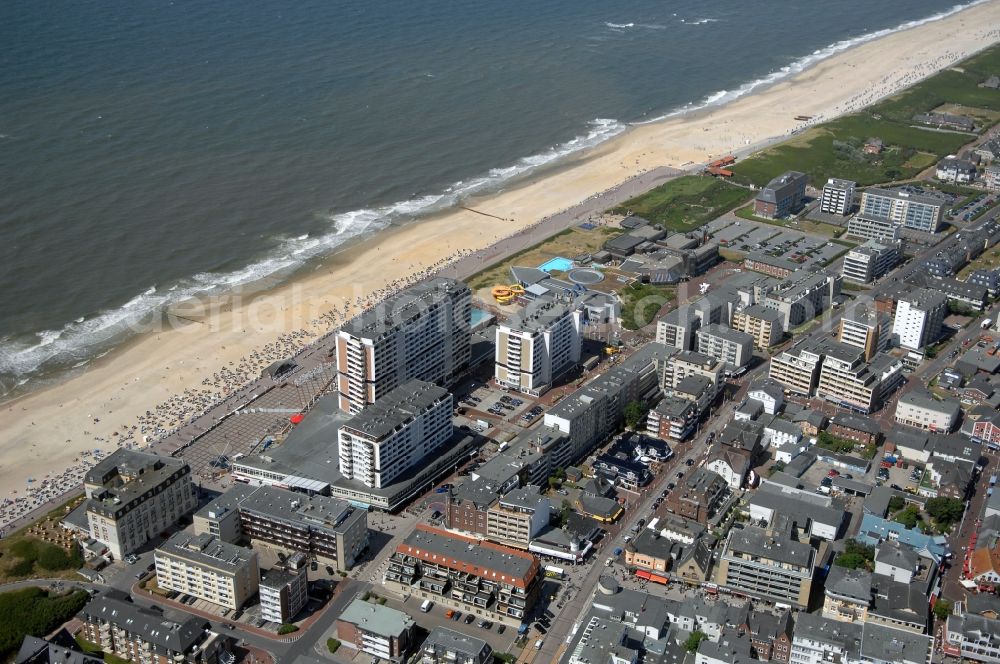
(213, 347)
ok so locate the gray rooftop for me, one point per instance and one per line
(897, 555)
(756, 541)
(403, 306)
(397, 408)
(515, 564)
(206, 550)
(454, 641)
(923, 399)
(150, 625)
(297, 508)
(885, 644)
(376, 619)
(855, 584)
(729, 334)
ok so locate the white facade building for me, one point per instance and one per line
(534, 349)
(396, 433)
(919, 317)
(206, 567)
(838, 197)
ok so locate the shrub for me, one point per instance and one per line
(36, 612)
(54, 558)
(332, 645)
(381, 600)
(288, 628)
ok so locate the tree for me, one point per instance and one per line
(332, 645)
(896, 503)
(909, 517)
(777, 467)
(945, 511)
(942, 609)
(693, 641)
(855, 555)
(635, 414)
(288, 628)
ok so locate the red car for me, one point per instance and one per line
(833, 473)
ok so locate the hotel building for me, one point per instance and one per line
(387, 438)
(914, 211)
(422, 332)
(133, 496)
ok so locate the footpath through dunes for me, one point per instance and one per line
(45, 431)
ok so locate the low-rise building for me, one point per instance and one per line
(952, 169)
(781, 196)
(920, 409)
(871, 227)
(697, 496)
(482, 578)
(972, 637)
(446, 646)
(376, 630)
(848, 594)
(208, 568)
(137, 634)
(769, 394)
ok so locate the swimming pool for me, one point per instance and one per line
(558, 263)
(478, 317)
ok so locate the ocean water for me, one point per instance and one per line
(155, 150)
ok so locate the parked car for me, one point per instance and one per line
(469, 619)
(501, 629)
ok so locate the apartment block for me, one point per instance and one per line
(395, 433)
(593, 412)
(847, 379)
(781, 196)
(133, 496)
(730, 346)
(446, 646)
(137, 634)
(481, 578)
(677, 328)
(697, 495)
(283, 593)
(870, 261)
(869, 227)
(768, 565)
(865, 328)
(920, 409)
(919, 318)
(673, 418)
(838, 197)
(797, 369)
(690, 363)
(913, 210)
(802, 297)
(761, 323)
(517, 517)
(421, 333)
(973, 638)
(327, 529)
(376, 630)
(537, 347)
(208, 568)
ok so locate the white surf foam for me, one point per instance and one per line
(803, 63)
(619, 26)
(81, 339)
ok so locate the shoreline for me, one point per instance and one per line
(155, 367)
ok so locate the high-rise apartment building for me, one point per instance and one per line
(916, 211)
(397, 432)
(422, 332)
(919, 317)
(730, 346)
(206, 567)
(865, 328)
(870, 261)
(535, 348)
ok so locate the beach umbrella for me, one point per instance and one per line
(296, 418)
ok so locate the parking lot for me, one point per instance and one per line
(751, 236)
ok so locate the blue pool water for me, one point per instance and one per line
(557, 263)
(478, 316)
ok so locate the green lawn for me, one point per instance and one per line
(94, 649)
(641, 302)
(834, 149)
(686, 202)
